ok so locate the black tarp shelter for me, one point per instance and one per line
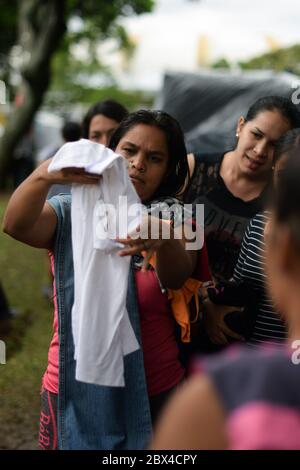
(209, 103)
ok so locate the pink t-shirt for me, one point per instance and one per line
(50, 379)
(162, 366)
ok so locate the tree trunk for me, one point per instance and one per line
(41, 27)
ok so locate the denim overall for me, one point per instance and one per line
(92, 416)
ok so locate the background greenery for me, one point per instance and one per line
(23, 272)
(281, 60)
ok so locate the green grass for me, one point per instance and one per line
(23, 272)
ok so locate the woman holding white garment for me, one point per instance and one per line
(95, 417)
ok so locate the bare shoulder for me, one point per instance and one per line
(193, 419)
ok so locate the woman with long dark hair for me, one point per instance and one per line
(88, 416)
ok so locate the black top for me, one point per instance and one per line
(226, 216)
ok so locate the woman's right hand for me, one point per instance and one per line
(66, 175)
(214, 322)
(28, 217)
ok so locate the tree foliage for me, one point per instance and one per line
(8, 25)
(221, 64)
(285, 59)
(42, 25)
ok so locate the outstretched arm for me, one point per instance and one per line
(174, 263)
(28, 217)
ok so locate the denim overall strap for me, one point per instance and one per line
(137, 400)
(92, 416)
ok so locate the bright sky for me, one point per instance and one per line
(168, 38)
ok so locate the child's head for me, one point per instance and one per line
(153, 144)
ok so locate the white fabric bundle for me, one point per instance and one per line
(101, 328)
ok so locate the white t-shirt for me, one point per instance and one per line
(101, 327)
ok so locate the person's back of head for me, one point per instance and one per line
(287, 195)
(287, 143)
(283, 243)
(71, 131)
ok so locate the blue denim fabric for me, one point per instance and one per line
(92, 416)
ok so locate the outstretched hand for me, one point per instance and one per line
(67, 175)
(151, 235)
